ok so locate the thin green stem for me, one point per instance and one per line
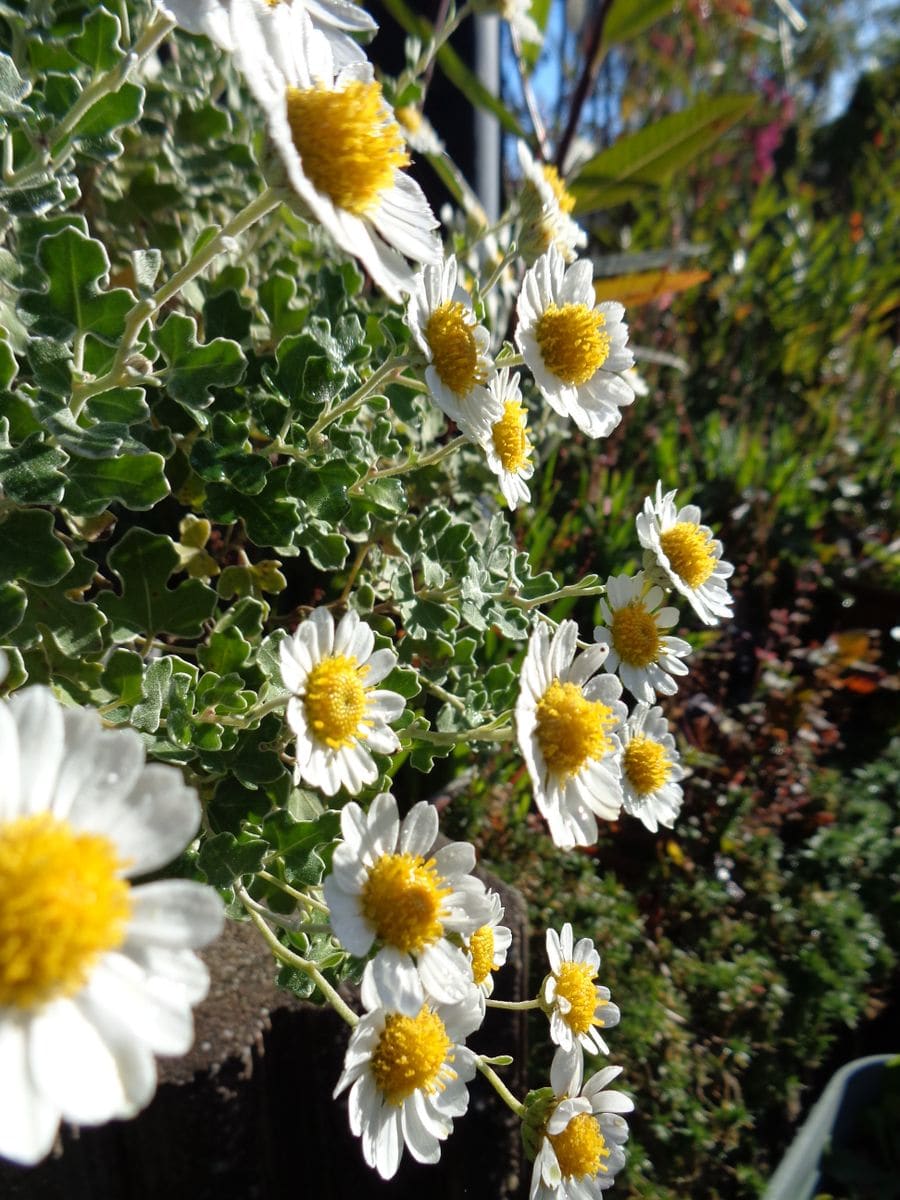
(562, 593)
(144, 310)
(500, 1087)
(392, 367)
(211, 717)
(514, 1005)
(300, 897)
(442, 694)
(413, 463)
(446, 29)
(290, 959)
(508, 258)
(493, 731)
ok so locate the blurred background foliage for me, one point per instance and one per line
(754, 948)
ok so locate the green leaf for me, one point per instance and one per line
(225, 455)
(146, 716)
(628, 18)
(29, 473)
(33, 200)
(8, 365)
(13, 90)
(146, 264)
(225, 858)
(193, 368)
(76, 624)
(254, 579)
(29, 549)
(271, 517)
(136, 480)
(123, 676)
(96, 131)
(277, 298)
(327, 550)
(73, 300)
(227, 650)
(12, 608)
(143, 562)
(649, 158)
(97, 45)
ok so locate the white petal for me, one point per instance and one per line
(456, 858)
(147, 1006)
(74, 1065)
(421, 1142)
(41, 747)
(446, 972)
(383, 825)
(9, 776)
(389, 1146)
(28, 1119)
(150, 825)
(100, 766)
(178, 913)
(419, 829)
(391, 981)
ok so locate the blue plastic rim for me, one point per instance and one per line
(799, 1172)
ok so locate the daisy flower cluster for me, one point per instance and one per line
(574, 1131)
(98, 972)
(586, 754)
(340, 157)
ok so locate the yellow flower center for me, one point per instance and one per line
(635, 634)
(348, 142)
(573, 342)
(481, 949)
(571, 730)
(689, 551)
(403, 898)
(335, 700)
(646, 764)
(410, 1056)
(510, 437)
(62, 905)
(565, 201)
(450, 336)
(580, 1149)
(575, 983)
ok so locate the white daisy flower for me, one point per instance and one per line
(544, 210)
(407, 1077)
(342, 148)
(565, 717)
(683, 554)
(96, 976)
(645, 658)
(335, 18)
(581, 1143)
(505, 438)
(578, 1007)
(488, 947)
(651, 768)
(336, 713)
(456, 347)
(389, 884)
(575, 350)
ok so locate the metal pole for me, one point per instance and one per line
(487, 127)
